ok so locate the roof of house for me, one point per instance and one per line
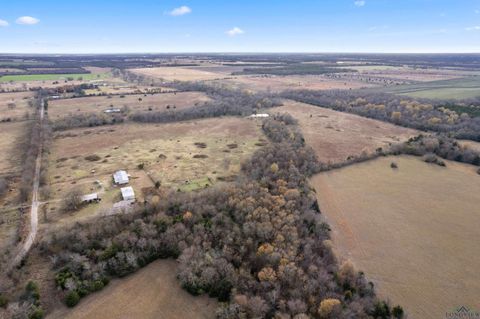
(259, 115)
(127, 192)
(120, 177)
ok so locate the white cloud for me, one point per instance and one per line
(477, 11)
(4, 23)
(474, 28)
(180, 11)
(27, 20)
(360, 3)
(235, 31)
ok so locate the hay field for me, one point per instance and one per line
(179, 73)
(20, 99)
(11, 133)
(186, 156)
(413, 230)
(274, 83)
(151, 293)
(336, 135)
(135, 102)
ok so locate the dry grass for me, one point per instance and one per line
(20, 99)
(413, 230)
(151, 293)
(336, 135)
(11, 133)
(292, 82)
(135, 102)
(169, 152)
(179, 73)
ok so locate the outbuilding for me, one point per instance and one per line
(128, 194)
(120, 178)
(90, 198)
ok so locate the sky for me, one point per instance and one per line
(161, 26)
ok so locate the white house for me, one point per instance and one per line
(120, 177)
(128, 193)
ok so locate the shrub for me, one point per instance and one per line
(3, 301)
(397, 312)
(72, 299)
(329, 308)
(37, 313)
(393, 165)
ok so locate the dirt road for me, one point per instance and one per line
(35, 204)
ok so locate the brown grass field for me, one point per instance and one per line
(11, 134)
(20, 99)
(336, 135)
(180, 73)
(273, 83)
(168, 152)
(413, 230)
(151, 293)
(97, 104)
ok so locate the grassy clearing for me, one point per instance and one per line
(151, 293)
(336, 135)
(413, 230)
(135, 102)
(185, 156)
(15, 105)
(52, 77)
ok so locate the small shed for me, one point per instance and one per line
(120, 178)
(128, 193)
(90, 198)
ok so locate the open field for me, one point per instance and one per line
(10, 168)
(461, 88)
(413, 230)
(52, 77)
(135, 102)
(185, 156)
(335, 135)
(179, 73)
(115, 89)
(274, 83)
(10, 135)
(20, 105)
(151, 293)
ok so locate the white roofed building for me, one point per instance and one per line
(128, 193)
(120, 177)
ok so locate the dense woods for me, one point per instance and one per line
(260, 243)
(422, 115)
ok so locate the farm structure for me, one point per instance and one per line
(91, 198)
(120, 178)
(128, 194)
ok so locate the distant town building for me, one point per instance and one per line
(120, 178)
(128, 194)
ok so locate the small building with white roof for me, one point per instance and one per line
(127, 193)
(120, 178)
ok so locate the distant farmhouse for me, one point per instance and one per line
(120, 178)
(115, 110)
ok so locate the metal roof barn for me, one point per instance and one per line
(128, 193)
(120, 177)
